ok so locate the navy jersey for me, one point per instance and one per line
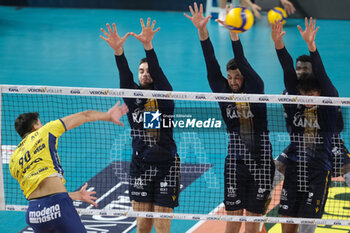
(246, 122)
(152, 145)
(311, 130)
(340, 121)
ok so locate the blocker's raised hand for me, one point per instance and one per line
(197, 18)
(113, 39)
(309, 34)
(277, 34)
(147, 33)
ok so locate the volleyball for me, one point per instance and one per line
(240, 18)
(277, 14)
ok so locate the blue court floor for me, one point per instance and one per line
(61, 47)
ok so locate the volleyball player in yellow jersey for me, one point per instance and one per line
(36, 166)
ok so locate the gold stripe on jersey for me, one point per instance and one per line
(245, 122)
(36, 158)
(310, 132)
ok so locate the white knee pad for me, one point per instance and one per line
(347, 178)
(304, 228)
(277, 178)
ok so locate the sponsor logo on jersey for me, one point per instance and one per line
(301, 121)
(232, 112)
(139, 183)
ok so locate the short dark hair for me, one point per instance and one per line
(25, 122)
(307, 83)
(143, 60)
(231, 65)
(304, 58)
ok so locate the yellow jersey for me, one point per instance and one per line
(36, 158)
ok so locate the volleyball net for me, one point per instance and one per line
(100, 153)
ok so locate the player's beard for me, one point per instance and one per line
(147, 86)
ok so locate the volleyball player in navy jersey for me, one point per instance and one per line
(341, 163)
(312, 128)
(341, 158)
(249, 165)
(155, 162)
(306, 64)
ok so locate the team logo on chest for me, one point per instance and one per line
(137, 116)
(301, 120)
(239, 112)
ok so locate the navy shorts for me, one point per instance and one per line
(54, 213)
(247, 186)
(309, 204)
(341, 157)
(155, 183)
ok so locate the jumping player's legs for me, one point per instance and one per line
(141, 194)
(162, 225)
(244, 191)
(154, 187)
(259, 188)
(252, 226)
(234, 195)
(233, 227)
(289, 228)
(166, 196)
(144, 225)
(288, 207)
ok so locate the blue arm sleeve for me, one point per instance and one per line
(216, 80)
(318, 69)
(159, 79)
(252, 81)
(289, 74)
(125, 75)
